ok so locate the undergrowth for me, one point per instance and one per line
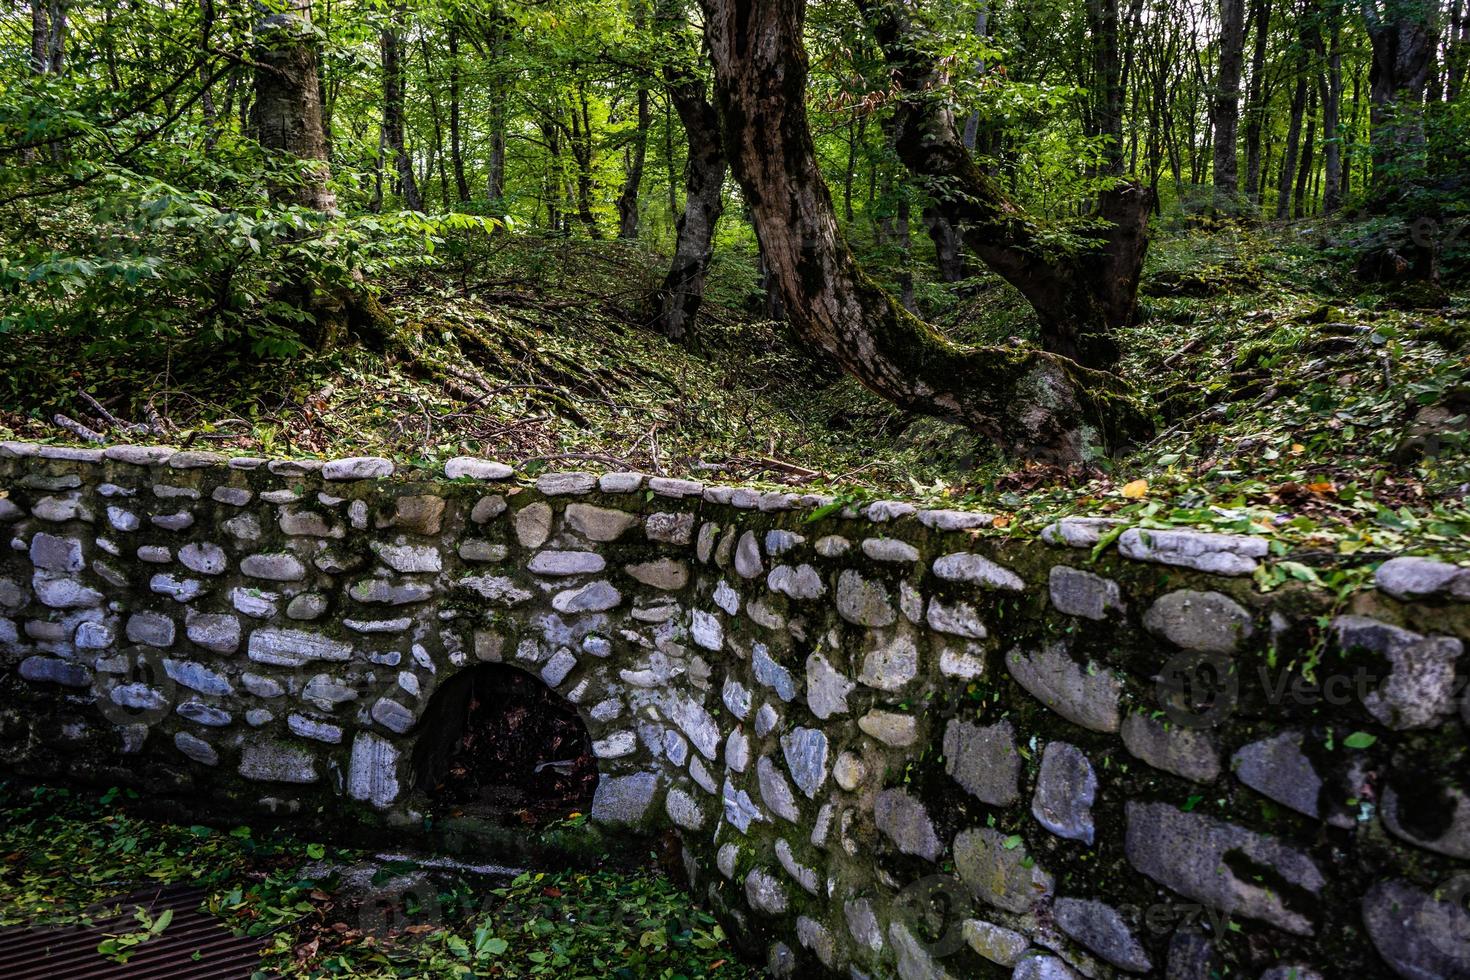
(68, 856)
(1288, 396)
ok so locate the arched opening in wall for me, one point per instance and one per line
(498, 745)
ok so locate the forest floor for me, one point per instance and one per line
(1293, 401)
(323, 911)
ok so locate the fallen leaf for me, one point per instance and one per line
(1135, 490)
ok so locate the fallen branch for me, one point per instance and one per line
(77, 429)
(109, 418)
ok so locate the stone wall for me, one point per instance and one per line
(889, 743)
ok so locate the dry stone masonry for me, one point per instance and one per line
(889, 745)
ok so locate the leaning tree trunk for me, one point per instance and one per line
(1027, 401)
(704, 183)
(1080, 299)
(286, 117)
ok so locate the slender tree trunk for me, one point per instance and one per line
(634, 156)
(1293, 138)
(1027, 401)
(851, 168)
(391, 44)
(982, 31)
(208, 111)
(436, 118)
(551, 184)
(1331, 95)
(495, 176)
(456, 147)
(1080, 299)
(1255, 121)
(579, 142)
(901, 226)
(56, 36)
(1227, 102)
(1355, 124)
(1457, 51)
(1302, 206)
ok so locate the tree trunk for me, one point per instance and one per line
(634, 156)
(1293, 138)
(1457, 51)
(40, 38)
(287, 118)
(949, 257)
(495, 178)
(1227, 103)
(393, 94)
(456, 147)
(579, 142)
(1255, 122)
(436, 118)
(1302, 206)
(704, 183)
(1331, 96)
(1403, 36)
(982, 30)
(1080, 299)
(1028, 402)
(1107, 81)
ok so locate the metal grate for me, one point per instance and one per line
(195, 946)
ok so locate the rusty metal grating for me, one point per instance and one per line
(195, 946)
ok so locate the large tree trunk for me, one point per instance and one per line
(1403, 35)
(393, 94)
(286, 117)
(704, 182)
(1227, 102)
(1029, 402)
(1256, 99)
(1080, 299)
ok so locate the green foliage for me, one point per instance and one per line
(66, 853)
(135, 258)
